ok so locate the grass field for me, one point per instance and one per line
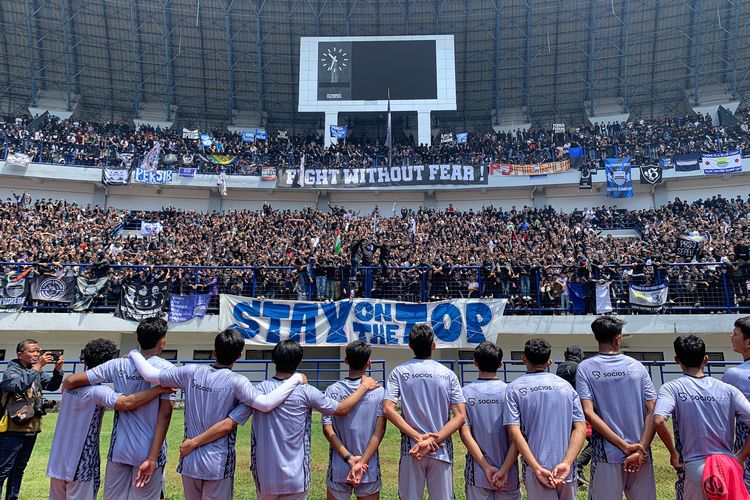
(36, 485)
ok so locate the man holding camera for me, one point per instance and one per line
(22, 385)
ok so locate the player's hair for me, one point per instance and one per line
(744, 325)
(287, 355)
(228, 346)
(690, 350)
(421, 338)
(357, 354)
(606, 328)
(488, 357)
(98, 351)
(537, 351)
(22, 345)
(150, 331)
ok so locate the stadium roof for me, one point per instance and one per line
(216, 58)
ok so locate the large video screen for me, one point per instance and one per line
(368, 70)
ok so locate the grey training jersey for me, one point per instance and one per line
(426, 390)
(132, 431)
(704, 410)
(210, 394)
(280, 454)
(545, 407)
(619, 386)
(354, 429)
(75, 446)
(485, 406)
(739, 376)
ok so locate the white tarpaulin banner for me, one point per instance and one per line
(460, 323)
(603, 299)
(18, 160)
(650, 298)
(722, 163)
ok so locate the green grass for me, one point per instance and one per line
(36, 484)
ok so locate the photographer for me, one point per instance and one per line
(22, 385)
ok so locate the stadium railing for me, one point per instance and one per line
(711, 287)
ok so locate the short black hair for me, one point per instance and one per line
(690, 350)
(537, 351)
(421, 338)
(228, 346)
(488, 357)
(606, 328)
(573, 353)
(744, 325)
(150, 331)
(24, 343)
(98, 351)
(357, 354)
(287, 356)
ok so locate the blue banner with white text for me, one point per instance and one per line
(619, 180)
(183, 308)
(460, 323)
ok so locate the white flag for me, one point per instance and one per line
(603, 300)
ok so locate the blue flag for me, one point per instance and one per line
(577, 298)
(206, 140)
(338, 132)
(462, 138)
(183, 308)
(261, 134)
(619, 180)
(575, 151)
(248, 136)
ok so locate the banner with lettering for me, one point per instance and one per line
(619, 180)
(554, 167)
(154, 177)
(406, 175)
(722, 163)
(458, 323)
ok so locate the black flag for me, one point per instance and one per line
(651, 174)
(585, 181)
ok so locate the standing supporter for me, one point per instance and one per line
(739, 376)
(212, 392)
(704, 411)
(137, 450)
(487, 443)
(545, 421)
(429, 393)
(618, 401)
(22, 385)
(354, 465)
(74, 461)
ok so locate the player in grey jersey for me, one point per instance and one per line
(704, 411)
(484, 436)
(739, 376)
(211, 393)
(429, 393)
(618, 400)
(137, 449)
(545, 421)
(73, 466)
(354, 464)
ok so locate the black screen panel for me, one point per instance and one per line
(407, 68)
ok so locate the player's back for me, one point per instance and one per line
(739, 376)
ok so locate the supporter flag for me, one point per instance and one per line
(187, 172)
(282, 134)
(389, 133)
(301, 174)
(577, 298)
(190, 134)
(150, 228)
(575, 153)
(722, 163)
(686, 247)
(37, 122)
(183, 308)
(585, 180)
(666, 163)
(206, 140)
(338, 133)
(603, 299)
(619, 181)
(649, 298)
(222, 183)
(446, 138)
(13, 291)
(18, 160)
(687, 162)
(248, 136)
(140, 300)
(223, 159)
(54, 289)
(86, 291)
(115, 176)
(187, 159)
(151, 160)
(462, 138)
(651, 174)
(726, 118)
(261, 134)
(170, 159)
(337, 244)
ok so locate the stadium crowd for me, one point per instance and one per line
(79, 142)
(526, 254)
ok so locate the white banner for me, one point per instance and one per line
(153, 177)
(603, 299)
(18, 160)
(722, 163)
(650, 298)
(460, 323)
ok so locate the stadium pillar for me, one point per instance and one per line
(424, 130)
(332, 118)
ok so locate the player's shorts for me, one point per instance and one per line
(71, 490)
(119, 479)
(537, 491)
(203, 489)
(291, 496)
(414, 475)
(478, 493)
(343, 491)
(610, 481)
(690, 480)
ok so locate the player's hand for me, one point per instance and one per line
(424, 447)
(489, 473)
(500, 478)
(369, 383)
(59, 364)
(560, 473)
(145, 473)
(43, 360)
(186, 448)
(633, 448)
(354, 461)
(545, 478)
(167, 390)
(674, 460)
(356, 473)
(303, 378)
(634, 462)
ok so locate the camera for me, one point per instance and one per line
(41, 406)
(55, 355)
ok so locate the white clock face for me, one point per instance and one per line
(334, 59)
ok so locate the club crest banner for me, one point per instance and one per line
(13, 292)
(722, 163)
(585, 181)
(651, 174)
(460, 323)
(53, 289)
(141, 300)
(338, 132)
(648, 298)
(87, 290)
(619, 180)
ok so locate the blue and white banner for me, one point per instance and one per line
(151, 160)
(151, 228)
(248, 136)
(722, 163)
(155, 177)
(462, 138)
(187, 172)
(338, 132)
(206, 140)
(619, 180)
(183, 308)
(190, 134)
(460, 323)
(649, 298)
(261, 134)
